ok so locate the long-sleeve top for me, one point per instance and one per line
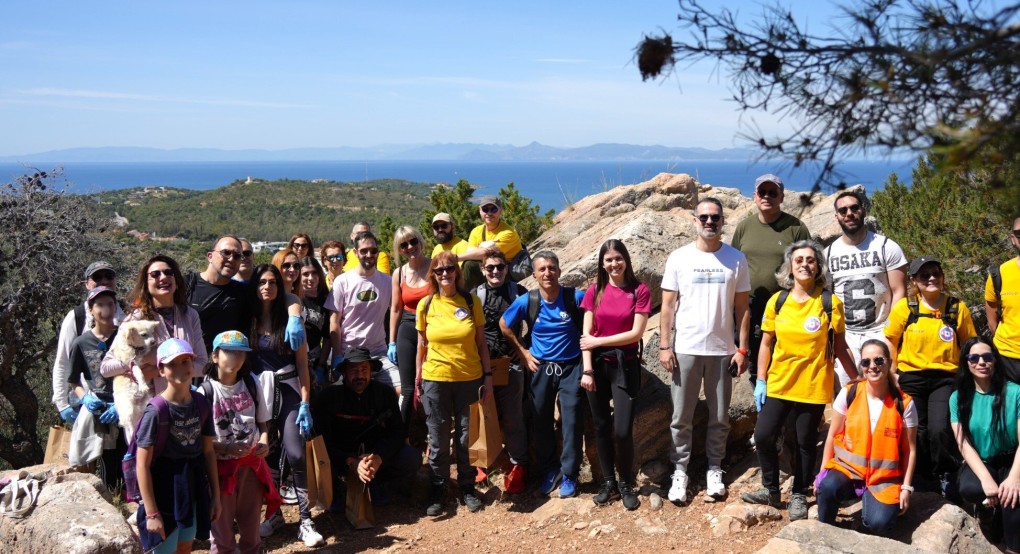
(186, 326)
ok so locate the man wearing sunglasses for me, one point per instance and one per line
(1002, 306)
(705, 289)
(444, 230)
(77, 321)
(382, 261)
(869, 274)
(493, 232)
(763, 237)
(247, 265)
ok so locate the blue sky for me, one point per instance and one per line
(328, 73)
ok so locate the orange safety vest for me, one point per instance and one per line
(875, 458)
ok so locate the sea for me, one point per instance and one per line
(550, 184)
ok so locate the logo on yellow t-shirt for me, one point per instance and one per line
(812, 324)
(460, 313)
(946, 334)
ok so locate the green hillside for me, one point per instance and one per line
(268, 210)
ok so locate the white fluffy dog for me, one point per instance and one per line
(135, 339)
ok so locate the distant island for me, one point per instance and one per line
(409, 152)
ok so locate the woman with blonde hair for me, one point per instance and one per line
(409, 286)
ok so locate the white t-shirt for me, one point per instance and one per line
(362, 303)
(705, 283)
(236, 414)
(860, 278)
(874, 407)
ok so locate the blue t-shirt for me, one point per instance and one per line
(987, 443)
(554, 338)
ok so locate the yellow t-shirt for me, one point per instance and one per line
(452, 352)
(506, 239)
(800, 370)
(457, 246)
(382, 263)
(928, 343)
(1007, 334)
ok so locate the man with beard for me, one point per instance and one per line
(382, 260)
(869, 274)
(359, 301)
(444, 230)
(361, 426)
(705, 289)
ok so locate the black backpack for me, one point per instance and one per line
(949, 319)
(995, 273)
(569, 302)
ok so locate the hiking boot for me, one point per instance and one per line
(678, 491)
(607, 493)
(514, 481)
(629, 495)
(436, 498)
(762, 496)
(270, 525)
(308, 535)
(715, 490)
(568, 487)
(798, 507)
(470, 499)
(550, 482)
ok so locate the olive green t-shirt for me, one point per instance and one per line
(763, 245)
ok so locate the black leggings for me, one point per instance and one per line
(407, 352)
(613, 425)
(931, 389)
(770, 423)
(293, 444)
(972, 491)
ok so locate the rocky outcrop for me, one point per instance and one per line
(73, 514)
(811, 536)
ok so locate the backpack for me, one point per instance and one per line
(996, 275)
(852, 393)
(569, 302)
(949, 319)
(830, 350)
(129, 464)
(79, 319)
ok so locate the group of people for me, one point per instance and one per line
(358, 346)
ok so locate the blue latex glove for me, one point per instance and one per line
(110, 415)
(319, 374)
(337, 360)
(759, 394)
(295, 332)
(69, 414)
(391, 352)
(304, 419)
(93, 404)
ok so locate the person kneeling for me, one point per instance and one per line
(864, 452)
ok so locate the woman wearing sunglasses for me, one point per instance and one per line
(301, 244)
(984, 411)
(409, 286)
(289, 264)
(333, 255)
(925, 330)
(452, 362)
(160, 294)
(871, 449)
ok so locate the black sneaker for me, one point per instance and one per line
(761, 496)
(606, 494)
(798, 507)
(436, 498)
(630, 497)
(470, 499)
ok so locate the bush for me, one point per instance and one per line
(518, 212)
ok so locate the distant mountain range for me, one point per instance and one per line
(446, 151)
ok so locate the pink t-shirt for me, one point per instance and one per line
(362, 303)
(616, 310)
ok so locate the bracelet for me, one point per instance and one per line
(589, 372)
(666, 348)
(742, 351)
(907, 488)
(152, 516)
(487, 374)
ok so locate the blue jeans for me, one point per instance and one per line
(563, 378)
(836, 487)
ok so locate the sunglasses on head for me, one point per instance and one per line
(490, 208)
(877, 361)
(155, 273)
(335, 257)
(853, 209)
(440, 226)
(446, 269)
(231, 254)
(104, 275)
(495, 267)
(987, 358)
(291, 265)
(768, 193)
(703, 218)
(410, 243)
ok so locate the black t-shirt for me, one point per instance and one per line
(220, 307)
(348, 420)
(316, 325)
(496, 302)
(87, 353)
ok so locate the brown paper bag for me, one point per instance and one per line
(485, 438)
(359, 501)
(58, 445)
(500, 371)
(320, 473)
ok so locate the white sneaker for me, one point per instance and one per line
(269, 526)
(678, 491)
(308, 535)
(715, 490)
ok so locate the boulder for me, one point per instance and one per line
(933, 524)
(72, 515)
(809, 536)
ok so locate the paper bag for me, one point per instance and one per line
(485, 438)
(359, 501)
(320, 474)
(500, 371)
(58, 445)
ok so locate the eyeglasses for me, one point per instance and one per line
(853, 209)
(925, 275)
(987, 358)
(490, 208)
(267, 282)
(705, 217)
(440, 226)
(495, 267)
(446, 269)
(231, 254)
(290, 265)
(335, 257)
(368, 251)
(877, 361)
(409, 243)
(768, 193)
(301, 245)
(104, 275)
(246, 253)
(155, 273)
